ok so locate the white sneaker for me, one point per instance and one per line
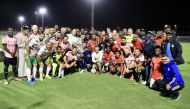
(81, 71)
(144, 82)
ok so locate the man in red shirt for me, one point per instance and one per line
(156, 66)
(118, 64)
(137, 42)
(107, 58)
(92, 43)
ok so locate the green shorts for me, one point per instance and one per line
(31, 61)
(49, 60)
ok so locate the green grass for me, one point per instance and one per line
(89, 91)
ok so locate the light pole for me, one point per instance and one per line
(36, 13)
(21, 19)
(92, 13)
(42, 11)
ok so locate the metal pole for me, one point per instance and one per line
(92, 14)
(42, 21)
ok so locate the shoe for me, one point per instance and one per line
(81, 71)
(137, 83)
(176, 97)
(6, 82)
(121, 76)
(35, 79)
(165, 94)
(30, 82)
(41, 79)
(47, 76)
(17, 79)
(144, 82)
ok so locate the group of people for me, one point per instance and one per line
(147, 57)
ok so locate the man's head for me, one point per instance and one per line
(63, 30)
(59, 49)
(65, 39)
(96, 49)
(114, 33)
(35, 29)
(123, 41)
(74, 32)
(25, 30)
(158, 50)
(10, 31)
(135, 37)
(165, 59)
(169, 36)
(51, 31)
(130, 31)
(137, 52)
(117, 54)
(74, 50)
(108, 49)
(41, 38)
(49, 45)
(47, 31)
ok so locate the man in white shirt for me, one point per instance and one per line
(97, 60)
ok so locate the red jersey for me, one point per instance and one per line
(118, 60)
(156, 67)
(138, 44)
(108, 56)
(91, 44)
(118, 39)
(159, 41)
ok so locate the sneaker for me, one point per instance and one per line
(41, 79)
(30, 82)
(144, 82)
(175, 98)
(35, 79)
(121, 76)
(165, 94)
(17, 79)
(136, 83)
(47, 76)
(6, 82)
(81, 71)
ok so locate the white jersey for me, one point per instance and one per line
(44, 52)
(34, 47)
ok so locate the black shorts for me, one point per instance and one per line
(10, 61)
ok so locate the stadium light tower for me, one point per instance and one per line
(92, 13)
(42, 12)
(21, 19)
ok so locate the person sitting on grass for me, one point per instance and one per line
(156, 66)
(70, 61)
(129, 63)
(108, 56)
(171, 82)
(139, 68)
(56, 57)
(87, 56)
(117, 65)
(97, 60)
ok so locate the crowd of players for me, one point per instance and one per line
(147, 57)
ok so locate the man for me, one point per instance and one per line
(70, 60)
(97, 60)
(107, 58)
(87, 56)
(34, 34)
(10, 48)
(129, 37)
(173, 49)
(44, 59)
(31, 59)
(92, 43)
(22, 41)
(171, 82)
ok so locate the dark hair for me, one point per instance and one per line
(164, 55)
(58, 47)
(25, 28)
(9, 28)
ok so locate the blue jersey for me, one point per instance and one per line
(87, 57)
(172, 74)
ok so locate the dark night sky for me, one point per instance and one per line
(151, 14)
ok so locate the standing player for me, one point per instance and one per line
(10, 48)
